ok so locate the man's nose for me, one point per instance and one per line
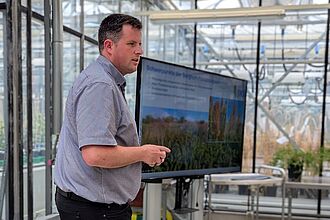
(139, 50)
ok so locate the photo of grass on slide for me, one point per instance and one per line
(186, 134)
(226, 120)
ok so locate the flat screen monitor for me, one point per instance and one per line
(199, 115)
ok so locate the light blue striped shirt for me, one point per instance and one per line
(96, 113)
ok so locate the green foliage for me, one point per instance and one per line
(2, 136)
(39, 128)
(326, 154)
(311, 160)
(286, 156)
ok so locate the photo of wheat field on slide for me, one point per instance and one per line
(187, 134)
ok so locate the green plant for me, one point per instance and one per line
(290, 158)
(326, 154)
(285, 156)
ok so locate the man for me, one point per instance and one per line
(98, 164)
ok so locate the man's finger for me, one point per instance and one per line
(162, 148)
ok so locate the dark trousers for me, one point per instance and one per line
(70, 209)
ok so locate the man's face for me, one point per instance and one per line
(125, 54)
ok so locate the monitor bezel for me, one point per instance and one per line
(196, 173)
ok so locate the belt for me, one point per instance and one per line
(72, 196)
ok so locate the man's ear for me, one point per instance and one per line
(108, 45)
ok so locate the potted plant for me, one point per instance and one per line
(293, 160)
(296, 160)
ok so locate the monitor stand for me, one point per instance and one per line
(180, 185)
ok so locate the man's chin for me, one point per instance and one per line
(131, 71)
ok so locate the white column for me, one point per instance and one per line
(152, 201)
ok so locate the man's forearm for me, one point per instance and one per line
(112, 156)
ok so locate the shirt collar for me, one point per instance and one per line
(112, 70)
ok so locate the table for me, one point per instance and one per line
(319, 183)
(254, 181)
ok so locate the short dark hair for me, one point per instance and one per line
(112, 25)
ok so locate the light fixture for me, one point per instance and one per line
(241, 14)
(207, 15)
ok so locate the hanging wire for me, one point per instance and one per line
(317, 90)
(316, 66)
(295, 93)
(306, 36)
(282, 47)
(245, 68)
(318, 82)
(295, 102)
(309, 64)
(262, 73)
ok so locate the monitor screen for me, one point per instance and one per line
(197, 114)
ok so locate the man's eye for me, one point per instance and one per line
(131, 44)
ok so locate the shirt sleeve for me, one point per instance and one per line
(97, 115)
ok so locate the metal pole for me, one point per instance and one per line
(256, 98)
(4, 176)
(57, 65)
(14, 83)
(195, 41)
(145, 30)
(82, 38)
(29, 111)
(48, 110)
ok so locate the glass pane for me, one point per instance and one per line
(216, 4)
(231, 50)
(37, 5)
(71, 60)
(291, 93)
(24, 99)
(178, 5)
(173, 43)
(327, 120)
(94, 13)
(71, 10)
(130, 92)
(38, 115)
(325, 203)
(91, 53)
(290, 98)
(155, 42)
(127, 6)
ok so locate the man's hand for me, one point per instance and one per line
(154, 154)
